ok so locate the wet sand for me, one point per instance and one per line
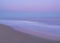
(8, 35)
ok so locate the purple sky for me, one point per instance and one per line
(30, 5)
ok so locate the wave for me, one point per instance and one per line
(39, 29)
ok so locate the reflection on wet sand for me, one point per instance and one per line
(8, 35)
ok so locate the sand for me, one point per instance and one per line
(8, 35)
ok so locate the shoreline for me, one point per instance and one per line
(8, 35)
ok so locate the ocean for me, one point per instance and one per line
(48, 23)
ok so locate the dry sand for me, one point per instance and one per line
(8, 35)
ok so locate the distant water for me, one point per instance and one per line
(29, 15)
(36, 16)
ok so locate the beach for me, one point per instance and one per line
(8, 35)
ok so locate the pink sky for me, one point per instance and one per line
(33, 8)
(30, 5)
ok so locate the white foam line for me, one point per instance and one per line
(31, 23)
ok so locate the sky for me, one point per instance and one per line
(29, 8)
(30, 5)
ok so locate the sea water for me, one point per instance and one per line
(48, 26)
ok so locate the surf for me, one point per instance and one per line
(39, 29)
